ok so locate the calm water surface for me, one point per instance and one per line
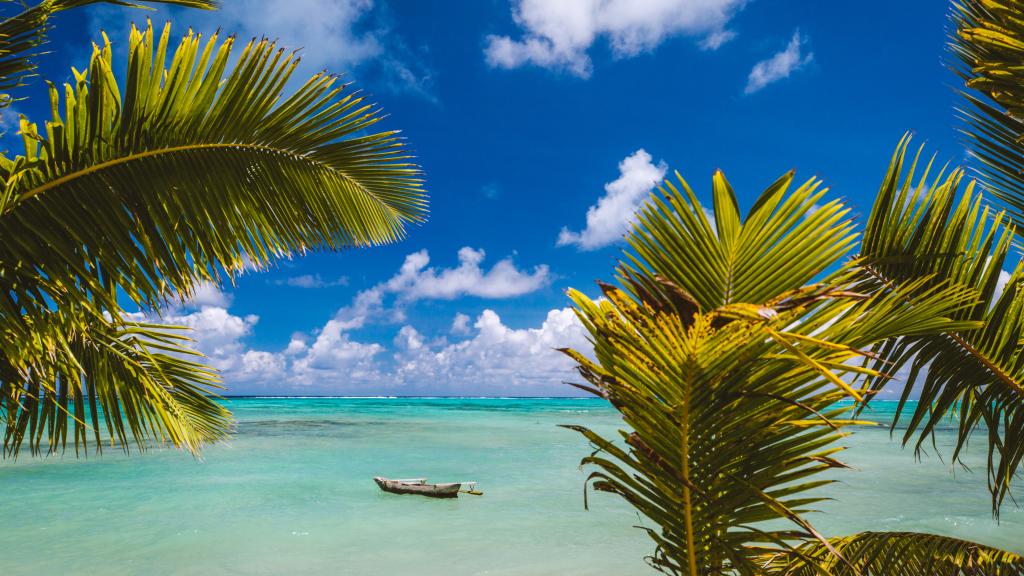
(292, 494)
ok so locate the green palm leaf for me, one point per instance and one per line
(732, 412)
(921, 228)
(187, 172)
(780, 246)
(80, 376)
(22, 36)
(988, 44)
(896, 554)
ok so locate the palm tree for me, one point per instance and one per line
(136, 193)
(736, 374)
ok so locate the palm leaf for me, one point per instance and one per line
(989, 47)
(23, 35)
(781, 245)
(729, 414)
(922, 227)
(187, 172)
(138, 379)
(896, 554)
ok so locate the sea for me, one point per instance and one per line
(292, 494)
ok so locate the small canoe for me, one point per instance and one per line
(418, 486)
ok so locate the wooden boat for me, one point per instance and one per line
(419, 486)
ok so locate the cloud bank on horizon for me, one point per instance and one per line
(488, 358)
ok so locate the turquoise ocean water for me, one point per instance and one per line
(292, 494)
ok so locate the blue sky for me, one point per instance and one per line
(524, 116)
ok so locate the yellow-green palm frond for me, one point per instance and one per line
(989, 44)
(922, 227)
(689, 395)
(731, 418)
(896, 554)
(732, 411)
(781, 244)
(80, 378)
(191, 169)
(23, 34)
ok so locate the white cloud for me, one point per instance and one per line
(263, 365)
(415, 281)
(496, 360)
(460, 324)
(499, 360)
(716, 40)
(409, 338)
(215, 332)
(311, 281)
(334, 351)
(609, 219)
(335, 35)
(559, 34)
(366, 303)
(207, 294)
(492, 359)
(779, 66)
(297, 345)
(324, 29)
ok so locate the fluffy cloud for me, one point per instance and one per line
(497, 360)
(609, 219)
(216, 333)
(262, 365)
(415, 281)
(779, 66)
(460, 324)
(488, 358)
(558, 35)
(409, 338)
(334, 353)
(335, 35)
(207, 294)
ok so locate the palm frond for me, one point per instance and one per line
(923, 228)
(989, 48)
(83, 379)
(781, 245)
(22, 36)
(187, 172)
(732, 413)
(896, 554)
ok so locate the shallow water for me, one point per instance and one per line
(292, 494)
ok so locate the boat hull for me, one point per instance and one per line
(418, 488)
